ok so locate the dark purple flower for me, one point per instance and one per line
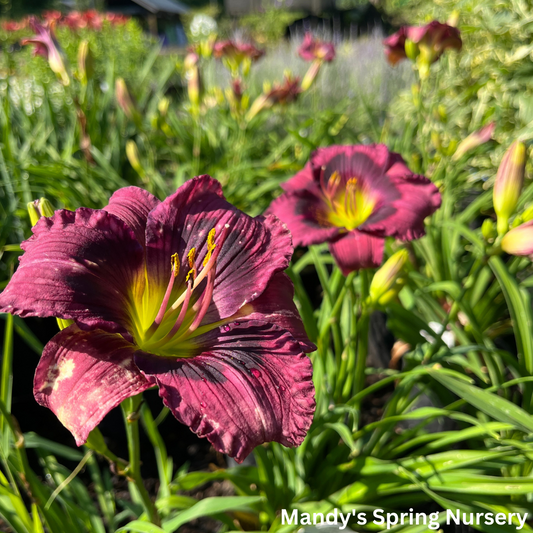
(285, 92)
(395, 46)
(187, 294)
(430, 41)
(353, 197)
(47, 46)
(237, 51)
(312, 49)
(280, 93)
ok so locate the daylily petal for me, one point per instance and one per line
(82, 375)
(276, 306)
(301, 180)
(356, 250)
(419, 199)
(301, 210)
(254, 249)
(395, 46)
(132, 205)
(81, 265)
(252, 385)
(376, 162)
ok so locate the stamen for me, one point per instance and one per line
(183, 312)
(175, 268)
(333, 184)
(210, 246)
(206, 300)
(207, 267)
(191, 256)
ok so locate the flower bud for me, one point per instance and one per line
(311, 74)
(132, 153)
(39, 208)
(519, 241)
(474, 140)
(527, 215)
(85, 62)
(508, 184)
(488, 230)
(125, 101)
(411, 49)
(386, 282)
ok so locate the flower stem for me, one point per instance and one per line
(6, 381)
(130, 410)
(363, 326)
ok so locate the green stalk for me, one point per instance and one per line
(130, 410)
(6, 381)
(363, 326)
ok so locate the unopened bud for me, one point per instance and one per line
(488, 229)
(85, 63)
(473, 140)
(411, 49)
(163, 106)
(527, 215)
(519, 241)
(132, 154)
(39, 208)
(125, 101)
(387, 279)
(508, 184)
(311, 74)
(454, 19)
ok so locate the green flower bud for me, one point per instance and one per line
(508, 184)
(488, 229)
(39, 208)
(387, 279)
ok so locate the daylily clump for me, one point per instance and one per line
(353, 197)
(188, 295)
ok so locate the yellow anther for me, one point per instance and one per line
(210, 246)
(352, 184)
(335, 178)
(175, 264)
(191, 257)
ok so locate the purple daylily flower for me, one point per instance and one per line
(188, 294)
(312, 49)
(431, 40)
(46, 45)
(353, 197)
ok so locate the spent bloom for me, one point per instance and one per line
(508, 184)
(47, 46)
(280, 93)
(187, 294)
(312, 49)
(353, 197)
